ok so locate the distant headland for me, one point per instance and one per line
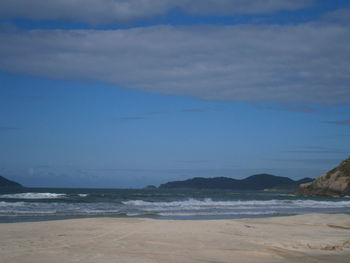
(6, 183)
(336, 182)
(254, 182)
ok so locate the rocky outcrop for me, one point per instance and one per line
(334, 183)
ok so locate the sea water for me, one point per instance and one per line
(32, 204)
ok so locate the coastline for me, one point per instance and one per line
(301, 238)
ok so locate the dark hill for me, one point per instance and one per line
(5, 183)
(263, 181)
(254, 182)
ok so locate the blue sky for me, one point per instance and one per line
(115, 93)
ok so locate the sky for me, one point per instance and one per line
(128, 93)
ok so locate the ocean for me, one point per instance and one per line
(33, 204)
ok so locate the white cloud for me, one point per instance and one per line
(123, 11)
(302, 63)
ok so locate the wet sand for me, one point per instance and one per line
(306, 238)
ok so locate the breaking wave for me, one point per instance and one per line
(33, 196)
(194, 204)
(57, 209)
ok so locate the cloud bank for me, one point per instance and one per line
(307, 63)
(338, 16)
(123, 11)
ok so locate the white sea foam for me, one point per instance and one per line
(33, 196)
(218, 213)
(10, 204)
(56, 208)
(83, 195)
(194, 204)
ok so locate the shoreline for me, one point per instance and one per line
(167, 218)
(301, 238)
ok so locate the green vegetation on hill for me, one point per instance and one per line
(344, 167)
(336, 182)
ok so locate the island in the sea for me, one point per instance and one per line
(254, 182)
(6, 183)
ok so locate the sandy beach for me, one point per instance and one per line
(304, 238)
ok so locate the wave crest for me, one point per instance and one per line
(33, 196)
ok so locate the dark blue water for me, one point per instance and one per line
(45, 204)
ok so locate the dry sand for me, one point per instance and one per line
(306, 238)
